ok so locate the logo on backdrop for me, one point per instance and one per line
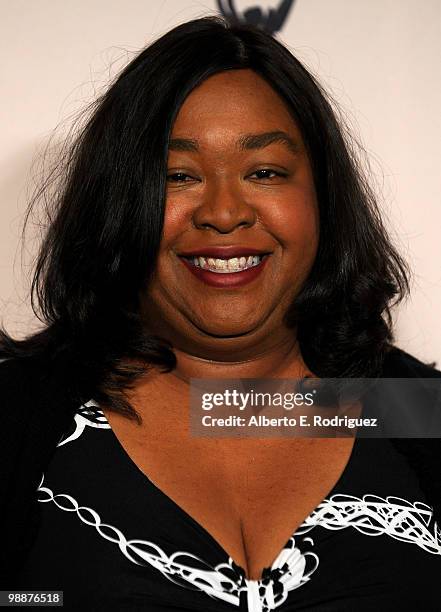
(271, 19)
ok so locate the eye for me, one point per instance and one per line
(179, 177)
(267, 173)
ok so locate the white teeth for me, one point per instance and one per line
(233, 264)
(222, 266)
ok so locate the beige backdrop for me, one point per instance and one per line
(379, 58)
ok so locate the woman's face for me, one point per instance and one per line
(238, 177)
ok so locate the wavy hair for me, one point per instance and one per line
(106, 216)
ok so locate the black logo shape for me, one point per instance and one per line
(272, 20)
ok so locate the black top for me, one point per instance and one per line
(110, 539)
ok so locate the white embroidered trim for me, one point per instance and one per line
(373, 515)
(86, 417)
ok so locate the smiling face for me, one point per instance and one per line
(239, 177)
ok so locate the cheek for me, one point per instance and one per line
(175, 219)
(296, 224)
(177, 222)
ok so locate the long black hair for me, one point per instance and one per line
(106, 217)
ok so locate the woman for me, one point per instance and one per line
(213, 223)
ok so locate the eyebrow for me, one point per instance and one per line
(247, 142)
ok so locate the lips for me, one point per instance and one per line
(209, 264)
(230, 280)
(223, 252)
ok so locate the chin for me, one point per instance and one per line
(227, 329)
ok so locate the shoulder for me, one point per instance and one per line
(36, 407)
(17, 387)
(33, 418)
(405, 396)
(400, 364)
(34, 397)
(12, 372)
(423, 453)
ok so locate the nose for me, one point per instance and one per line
(223, 209)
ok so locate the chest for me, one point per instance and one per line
(249, 495)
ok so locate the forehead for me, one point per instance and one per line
(230, 103)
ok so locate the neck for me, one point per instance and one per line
(282, 360)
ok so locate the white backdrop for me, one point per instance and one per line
(379, 58)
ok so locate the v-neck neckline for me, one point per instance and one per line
(144, 478)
